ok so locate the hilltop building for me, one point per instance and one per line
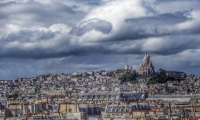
(146, 67)
(126, 67)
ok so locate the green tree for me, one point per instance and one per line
(78, 75)
(161, 77)
(128, 76)
(111, 73)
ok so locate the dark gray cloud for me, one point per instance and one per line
(39, 37)
(160, 19)
(27, 35)
(39, 14)
(91, 2)
(40, 53)
(164, 1)
(166, 6)
(92, 24)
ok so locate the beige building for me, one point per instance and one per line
(70, 111)
(68, 108)
(54, 92)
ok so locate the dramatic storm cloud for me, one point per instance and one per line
(63, 36)
(92, 24)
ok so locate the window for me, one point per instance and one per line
(70, 110)
(97, 110)
(92, 110)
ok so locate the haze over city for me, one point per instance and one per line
(64, 36)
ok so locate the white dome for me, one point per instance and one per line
(146, 58)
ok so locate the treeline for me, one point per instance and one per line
(161, 77)
(129, 76)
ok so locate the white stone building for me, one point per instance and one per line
(126, 67)
(146, 67)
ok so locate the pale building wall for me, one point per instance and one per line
(63, 108)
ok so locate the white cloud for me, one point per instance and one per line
(192, 23)
(154, 44)
(117, 11)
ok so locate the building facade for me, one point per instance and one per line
(146, 67)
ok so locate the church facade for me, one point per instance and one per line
(146, 67)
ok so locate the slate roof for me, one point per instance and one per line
(90, 110)
(126, 108)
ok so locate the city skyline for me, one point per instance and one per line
(39, 37)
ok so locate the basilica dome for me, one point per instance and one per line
(146, 58)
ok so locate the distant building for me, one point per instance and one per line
(146, 67)
(53, 92)
(126, 67)
(176, 74)
(76, 73)
(104, 73)
(91, 73)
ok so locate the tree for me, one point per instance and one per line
(128, 76)
(78, 75)
(152, 82)
(161, 77)
(111, 73)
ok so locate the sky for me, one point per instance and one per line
(65, 36)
